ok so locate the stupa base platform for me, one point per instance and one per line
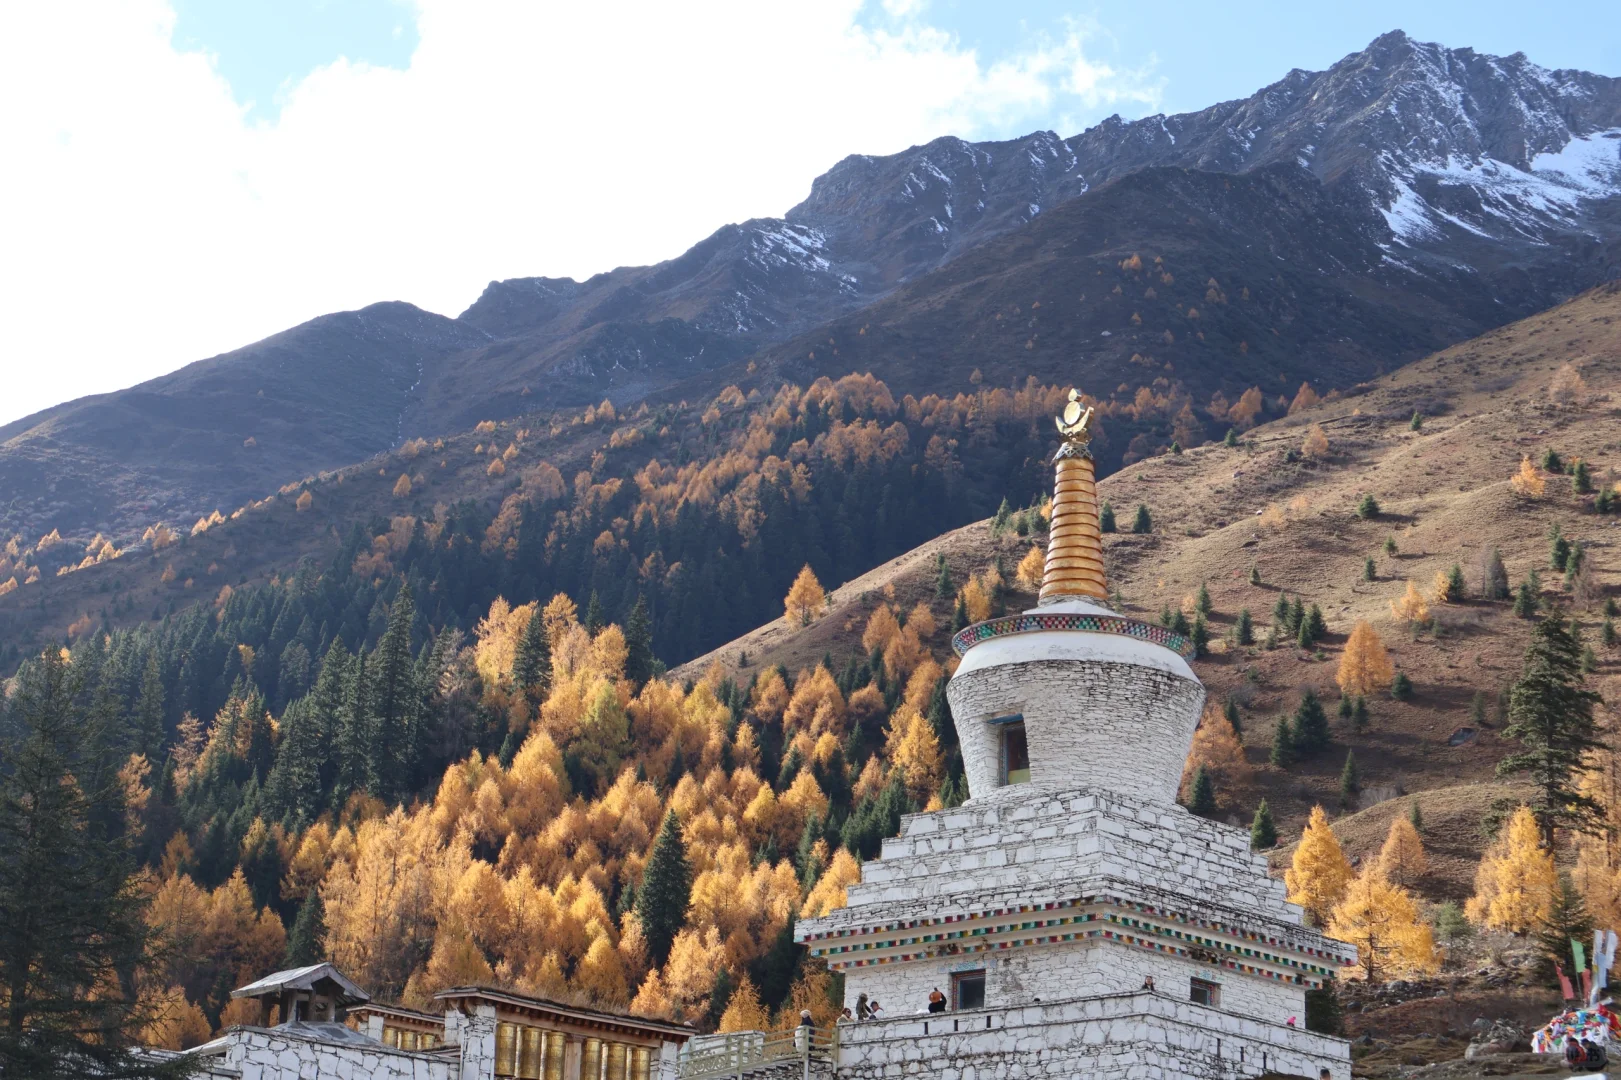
(1132, 1036)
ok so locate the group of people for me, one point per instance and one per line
(865, 1010)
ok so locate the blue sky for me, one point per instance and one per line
(215, 171)
(1199, 53)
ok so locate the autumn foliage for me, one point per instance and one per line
(1364, 664)
(1320, 873)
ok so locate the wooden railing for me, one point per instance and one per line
(742, 1052)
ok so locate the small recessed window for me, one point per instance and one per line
(1203, 992)
(968, 990)
(1015, 755)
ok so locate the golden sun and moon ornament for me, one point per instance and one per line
(1074, 565)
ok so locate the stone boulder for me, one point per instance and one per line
(1497, 1037)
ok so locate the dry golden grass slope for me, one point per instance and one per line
(1445, 497)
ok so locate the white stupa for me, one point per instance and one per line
(1078, 921)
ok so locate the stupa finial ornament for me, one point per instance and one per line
(1074, 540)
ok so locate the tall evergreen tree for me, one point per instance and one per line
(661, 902)
(293, 789)
(1106, 521)
(1567, 920)
(638, 643)
(1263, 832)
(396, 702)
(1143, 522)
(1202, 799)
(355, 742)
(594, 619)
(943, 587)
(304, 943)
(1230, 711)
(149, 710)
(532, 664)
(1310, 724)
(1350, 780)
(1551, 713)
(72, 926)
(1283, 744)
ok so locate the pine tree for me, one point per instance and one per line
(1244, 628)
(355, 744)
(396, 702)
(1297, 615)
(1493, 576)
(639, 660)
(1367, 507)
(1142, 523)
(1567, 920)
(1202, 800)
(1200, 636)
(1263, 833)
(1345, 707)
(1477, 709)
(1369, 570)
(594, 618)
(943, 587)
(1558, 548)
(1230, 711)
(1106, 517)
(666, 890)
(1230, 440)
(959, 616)
(1607, 635)
(1303, 636)
(1319, 873)
(1255, 574)
(1283, 744)
(1401, 687)
(1179, 623)
(999, 523)
(1455, 587)
(149, 710)
(1525, 601)
(1359, 713)
(1201, 602)
(532, 662)
(1280, 610)
(72, 925)
(1310, 724)
(1551, 713)
(1316, 624)
(1417, 422)
(1552, 462)
(305, 943)
(1176, 448)
(1581, 481)
(1416, 816)
(1350, 781)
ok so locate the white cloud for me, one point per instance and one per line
(149, 223)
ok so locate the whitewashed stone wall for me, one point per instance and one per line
(280, 1054)
(1118, 1037)
(475, 1031)
(1113, 726)
(1030, 838)
(1055, 973)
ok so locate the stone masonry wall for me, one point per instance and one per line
(1118, 1037)
(1113, 726)
(1038, 837)
(1051, 973)
(275, 1054)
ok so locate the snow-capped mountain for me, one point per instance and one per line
(1408, 197)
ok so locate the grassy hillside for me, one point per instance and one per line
(1445, 498)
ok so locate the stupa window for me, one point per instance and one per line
(968, 990)
(1015, 750)
(1204, 992)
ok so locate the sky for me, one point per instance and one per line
(184, 177)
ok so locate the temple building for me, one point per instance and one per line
(317, 1025)
(1079, 922)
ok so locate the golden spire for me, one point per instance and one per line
(1074, 541)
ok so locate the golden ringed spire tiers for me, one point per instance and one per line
(1074, 540)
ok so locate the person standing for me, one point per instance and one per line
(937, 1001)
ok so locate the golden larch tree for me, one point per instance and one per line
(1412, 606)
(1529, 481)
(744, 1012)
(829, 893)
(1316, 443)
(1364, 665)
(402, 486)
(1381, 920)
(1402, 859)
(1216, 747)
(1320, 872)
(1031, 568)
(1515, 883)
(805, 600)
